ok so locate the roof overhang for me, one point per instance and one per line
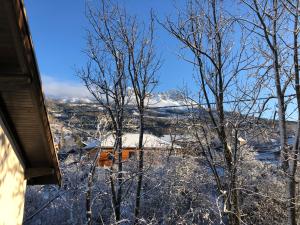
(22, 107)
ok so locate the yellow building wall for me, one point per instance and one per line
(12, 183)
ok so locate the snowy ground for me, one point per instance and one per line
(177, 190)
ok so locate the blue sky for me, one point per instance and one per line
(58, 33)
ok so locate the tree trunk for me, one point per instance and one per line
(140, 168)
(281, 116)
(292, 179)
(293, 165)
(120, 175)
(279, 93)
(89, 191)
(89, 196)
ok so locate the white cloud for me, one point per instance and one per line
(63, 89)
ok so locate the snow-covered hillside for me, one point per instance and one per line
(170, 98)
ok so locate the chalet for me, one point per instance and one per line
(130, 147)
(27, 154)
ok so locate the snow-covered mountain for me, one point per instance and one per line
(71, 99)
(171, 98)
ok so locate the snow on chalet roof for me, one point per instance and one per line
(92, 143)
(130, 140)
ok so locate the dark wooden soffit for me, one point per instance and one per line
(21, 98)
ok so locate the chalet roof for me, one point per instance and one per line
(22, 108)
(130, 140)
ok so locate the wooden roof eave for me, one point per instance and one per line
(23, 77)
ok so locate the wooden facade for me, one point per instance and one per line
(106, 156)
(151, 145)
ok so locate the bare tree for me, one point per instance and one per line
(101, 132)
(142, 68)
(206, 30)
(269, 23)
(105, 78)
(292, 8)
(266, 24)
